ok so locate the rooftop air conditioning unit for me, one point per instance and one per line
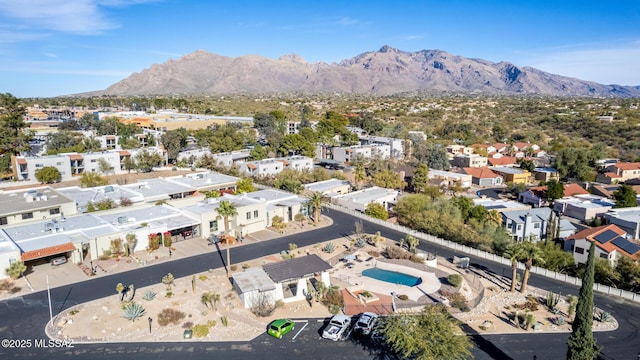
(122, 219)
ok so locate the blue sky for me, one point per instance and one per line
(59, 47)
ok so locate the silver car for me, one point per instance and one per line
(365, 323)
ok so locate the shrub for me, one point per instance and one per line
(74, 311)
(170, 316)
(604, 316)
(530, 305)
(169, 294)
(403, 297)
(333, 297)
(233, 267)
(373, 253)
(263, 306)
(203, 278)
(149, 295)
(200, 331)
(168, 279)
(211, 323)
(395, 252)
(455, 280)
(187, 325)
(245, 266)
(334, 309)
(125, 201)
(360, 243)
(224, 321)
(133, 311)
(458, 300)
(292, 246)
(329, 248)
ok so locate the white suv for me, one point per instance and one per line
(365, 323)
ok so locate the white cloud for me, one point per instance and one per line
(71, 16)
(51, 55)
(605, 65)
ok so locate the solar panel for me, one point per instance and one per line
(606, 236)
(626, 245)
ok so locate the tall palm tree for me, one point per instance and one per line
(225, 210)
(359, 175)
(530, 254)
(494, 217)
(316, 200)
(513, 252)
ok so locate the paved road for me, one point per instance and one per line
(24, 317)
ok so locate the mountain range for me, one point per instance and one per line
(384, 72)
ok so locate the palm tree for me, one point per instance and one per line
(226, 209)
(494, 217)
(530, 254)
(359, 175)
(513, 253)
(316, 200)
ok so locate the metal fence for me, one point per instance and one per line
(489, 256)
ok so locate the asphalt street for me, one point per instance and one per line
(25, 317)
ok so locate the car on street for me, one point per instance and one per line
(366, 322)
(278, 328)
(337, 327)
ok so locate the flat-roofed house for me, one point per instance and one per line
(35, 204)
(358, 200)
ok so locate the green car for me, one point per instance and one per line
(280, 327)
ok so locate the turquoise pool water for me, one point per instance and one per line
(392, 277)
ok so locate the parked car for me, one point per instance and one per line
(278, 328)
(365, 323)
(58, 260)
(377, 333)
(337, 327)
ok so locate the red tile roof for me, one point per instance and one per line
(612, 175)
(75, 157)
(48, 251)
(480, 173)
(124, 153)
(505, 160)
(627, 165)
(590, 233)
(574, 189)
(21, 161)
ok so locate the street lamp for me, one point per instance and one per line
(93, 270)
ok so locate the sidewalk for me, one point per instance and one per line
(70, 273)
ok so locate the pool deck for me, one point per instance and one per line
(351, 272)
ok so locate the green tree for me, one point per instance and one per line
(575, 163)
(513, 252)
(555, 259)
(146, 161)
(295, 144)
(104, 166)
(316, 201)
(420, 180)
(388, 179)
(531, 254)
(431, 335)
(174, 141)
(227, 209)
(625, 196)
(465, 205)
(258, 152)
(433, 155)
(582, 345)
(555, 190)
(48, 175)
(377, 211)
(527, 165)
(245, 185)
(15, 270)
(13, 138)
(629, 274)
(93, 179)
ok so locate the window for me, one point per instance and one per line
(519, 227)
(26, 216)
(604, 256)
(248, 215)
(39, 165)
(213, 226)
(3, 220)
(54, 211)
(579, 250)
(255, 213)
(536, 226)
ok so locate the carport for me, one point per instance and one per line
(47, 252)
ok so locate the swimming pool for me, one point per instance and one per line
(392, 277)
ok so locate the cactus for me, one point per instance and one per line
(552, 300)
(193, 283)
(149, 295)
(120, 291)
(133, 311)
(360, 243)
(168, 280)
(329, 248)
